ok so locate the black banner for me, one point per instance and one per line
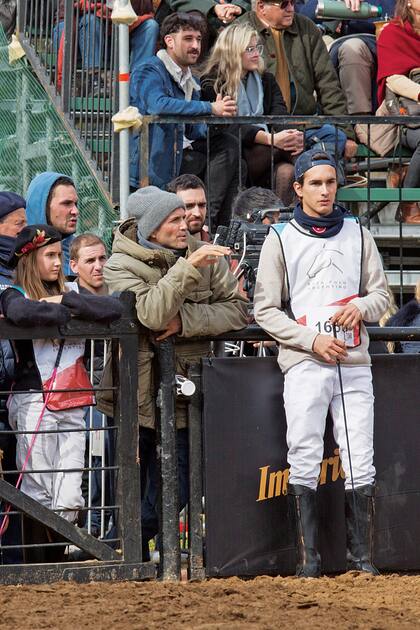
(246, 470)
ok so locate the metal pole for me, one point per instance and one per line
(196, 569)
(124, 101)
(129, 495)
(170, 554)
(67, 79)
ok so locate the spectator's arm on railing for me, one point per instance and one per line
(157, 102)
(93, 307)
(226, 311)
(375, 300)
(24, 312)
(270, 295)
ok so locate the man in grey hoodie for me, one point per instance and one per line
(319, 278)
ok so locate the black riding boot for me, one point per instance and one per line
(304, 508)
(359, 528)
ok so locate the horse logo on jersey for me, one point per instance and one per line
(327, 257)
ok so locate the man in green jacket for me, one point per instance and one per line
(296, 54)
(183, 289)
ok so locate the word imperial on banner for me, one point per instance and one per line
(274, 484)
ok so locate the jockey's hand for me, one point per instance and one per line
(347, 317)
(329, 348)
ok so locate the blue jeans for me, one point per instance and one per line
(91, 40)
(328, 134)
(150, 483)
(95, 476)
(143, 42)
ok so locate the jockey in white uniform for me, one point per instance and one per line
(320, 277)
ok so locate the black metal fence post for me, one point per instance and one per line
(195, 518)
(110, 564)
(170, 553)
(127, 449)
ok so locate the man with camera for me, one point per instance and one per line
(319, 278)
(183, 289)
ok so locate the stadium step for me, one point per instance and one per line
(410, 279)
(391, 233)
(95, 104)
(378, 194)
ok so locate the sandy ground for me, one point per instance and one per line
(348, 601)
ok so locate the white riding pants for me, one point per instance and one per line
(51, 451)
(310, 389)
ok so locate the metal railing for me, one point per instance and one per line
(171, 561)
(74, 52)
(119, 556)
(112, 564)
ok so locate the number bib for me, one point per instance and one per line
(318, 318)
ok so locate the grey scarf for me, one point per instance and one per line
(251, 96)
(185, 80)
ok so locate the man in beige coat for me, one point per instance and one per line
(183, 289)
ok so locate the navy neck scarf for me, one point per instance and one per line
(322, 227)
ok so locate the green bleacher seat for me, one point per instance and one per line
(378, 194)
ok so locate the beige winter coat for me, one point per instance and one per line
(206, 299)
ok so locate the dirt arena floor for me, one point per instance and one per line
(348, 601)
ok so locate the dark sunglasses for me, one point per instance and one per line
(283, 4)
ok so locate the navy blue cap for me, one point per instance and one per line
(308, 160)
(9, 202)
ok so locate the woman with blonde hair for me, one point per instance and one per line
(236, 69)
(40, 297)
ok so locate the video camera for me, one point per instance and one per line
(246, 238)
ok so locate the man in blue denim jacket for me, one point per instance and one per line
(163, 85)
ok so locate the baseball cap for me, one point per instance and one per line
(311, 158)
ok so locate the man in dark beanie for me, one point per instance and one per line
(183, 289)
(12, 221)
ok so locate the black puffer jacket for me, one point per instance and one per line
(408, 315)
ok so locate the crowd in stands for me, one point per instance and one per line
(268, 58)
(49, 275)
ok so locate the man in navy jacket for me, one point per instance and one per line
(164, 85)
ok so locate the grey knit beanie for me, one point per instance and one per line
(151, 206)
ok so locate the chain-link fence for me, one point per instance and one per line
(34, 138)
